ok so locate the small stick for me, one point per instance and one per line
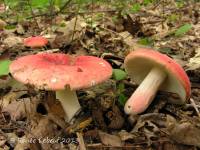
(81, 141)
(195, 106)
(49, 51)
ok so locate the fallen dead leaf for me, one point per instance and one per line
(73, 30)
(124, 135)
(115, 117)
(2, 140)
(194, 62)
(11, 96)
(20, 109)
(97, 115)
(43, 129)
(110, 140)
(22, 145)
(2, 24)
(20, 29)
(185, 133)
(128, 39)
(17, 90)
(12, 139)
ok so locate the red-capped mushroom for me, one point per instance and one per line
(154, 71)
(35, 42)
(61, 73)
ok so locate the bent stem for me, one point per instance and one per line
(69, 102)
(145, 93)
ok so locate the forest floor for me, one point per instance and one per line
(28, 119)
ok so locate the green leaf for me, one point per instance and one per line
(10, 27)
(173, 17)
(4, 67)
(119, 74)
(146, 41)
(120, 87)
(180, 4)
(58, 3)
(183, 30)
(146, 2)
(122, 99)
(135, 8)
(165, 50)
(40, 3)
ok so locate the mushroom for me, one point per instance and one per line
(154, 71)
(35, 42)
(61, 73)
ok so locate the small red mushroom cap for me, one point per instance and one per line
(58, 71)
(139, 62)
(34, 42)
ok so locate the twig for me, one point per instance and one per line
(64, 6)
(51, 10)
(136, 145)
(81, 141)
(195, 106)
(92, 13)
(99, 145)
(49, 51)
(191, 106)
(75, 23)
(106, 29)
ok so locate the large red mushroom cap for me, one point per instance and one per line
(141, 62)
(34, 42)
(58, 71)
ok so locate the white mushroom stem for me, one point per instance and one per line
(69, 102)
(145, 93)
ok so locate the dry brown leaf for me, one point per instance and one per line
(17, 90)
(185, 133)
(115, 117)
(2, 24)
(73, 30)
(2, 140)
(20, 109)
(42, 131)
(12, 41)
(12, 138)
(22, 145)
(128, 39)
(20, 29)
(10, 97)
(124, 135)
(110, 140)
(194, 62)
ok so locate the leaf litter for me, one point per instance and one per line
(27, 114)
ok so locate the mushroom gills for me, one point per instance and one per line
(69, 102)
(145, 93)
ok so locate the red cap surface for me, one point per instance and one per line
(37, 41)
(139, 62)
(56, 71)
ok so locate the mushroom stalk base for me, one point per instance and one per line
(69, 102)
(145, 93)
